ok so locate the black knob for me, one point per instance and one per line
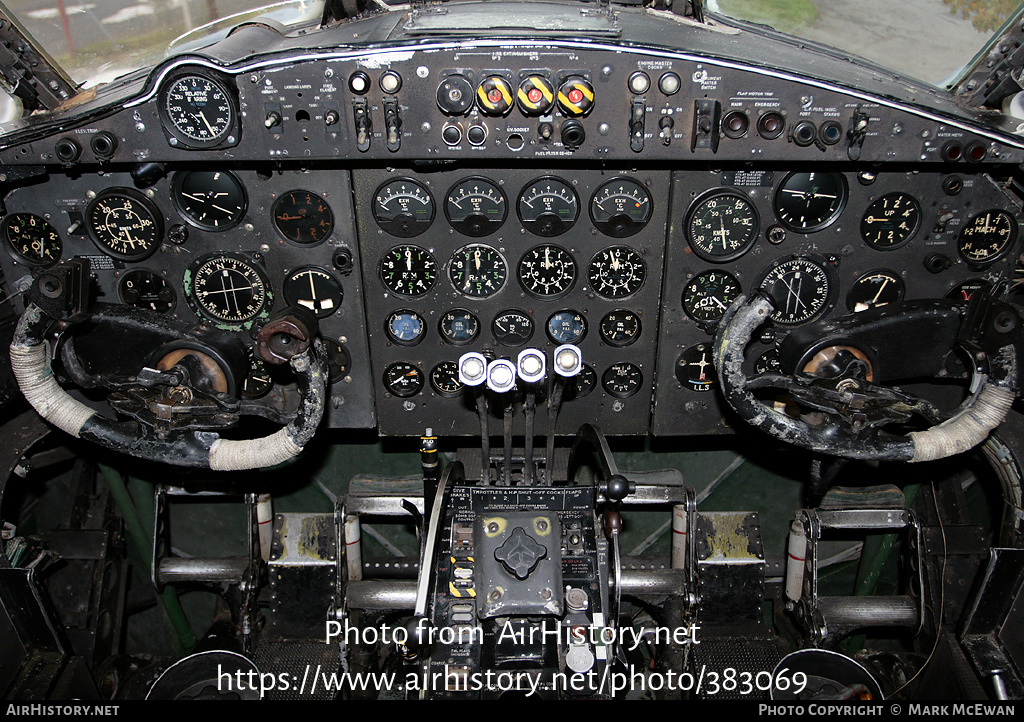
(573, 134)
(68, 150)
(452, 134)
(103, 144)
(477, 134)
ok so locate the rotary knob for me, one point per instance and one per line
(494, 95)
(576, 97)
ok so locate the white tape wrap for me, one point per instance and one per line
(32, 369)
(965, 430)
(230, 455)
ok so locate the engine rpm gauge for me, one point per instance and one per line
(197, 112)
(709, 294)
(313, 288)
(620, 208)
(806, 202)
(722, 226)
(124, 224)
(547, 271)
(476, 207)
(617, 272)
(890, 221)
(801, 289)
(303, 217)
(146, 289)
(228, 288)
(403, 207)
(31, 239)
(477, 270)
(210, 199)
(548, 207)
(874, 289)
(987, 237)
(408, 270)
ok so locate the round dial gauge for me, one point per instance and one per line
(890, 221)
(567, 327)
(475, 207)
(403, 379)
(213, 200)
(494, 96)
(228, 288)
(403, 208)
(259, 381)
(622, 380)
(581, 384)
(313, 288)
(768, 362)
(535, 96)
(31, 239)
(987, 237)
(722, 226)
(620, 328)
(709, 294)
(146, 289)
(124, 224)
(808, 202)
(695, 369)
(547, 271)
(197, 111)
(874, 289)
(965, 291)
(512, 328)
(617, 272)
(548, 207)
(477, 270)
(620, 208)
(408, 270)
(303, 217)
(444, 379)
(406, 328)
(801, 290)
(458, 327)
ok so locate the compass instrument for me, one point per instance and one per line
(228, 288)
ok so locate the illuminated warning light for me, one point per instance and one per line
(535, 95)
(575, 95)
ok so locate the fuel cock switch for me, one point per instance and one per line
(393, 124)
(364, 125)
(665, 127)
(636, 126)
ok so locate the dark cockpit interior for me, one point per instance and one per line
(398, 354)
